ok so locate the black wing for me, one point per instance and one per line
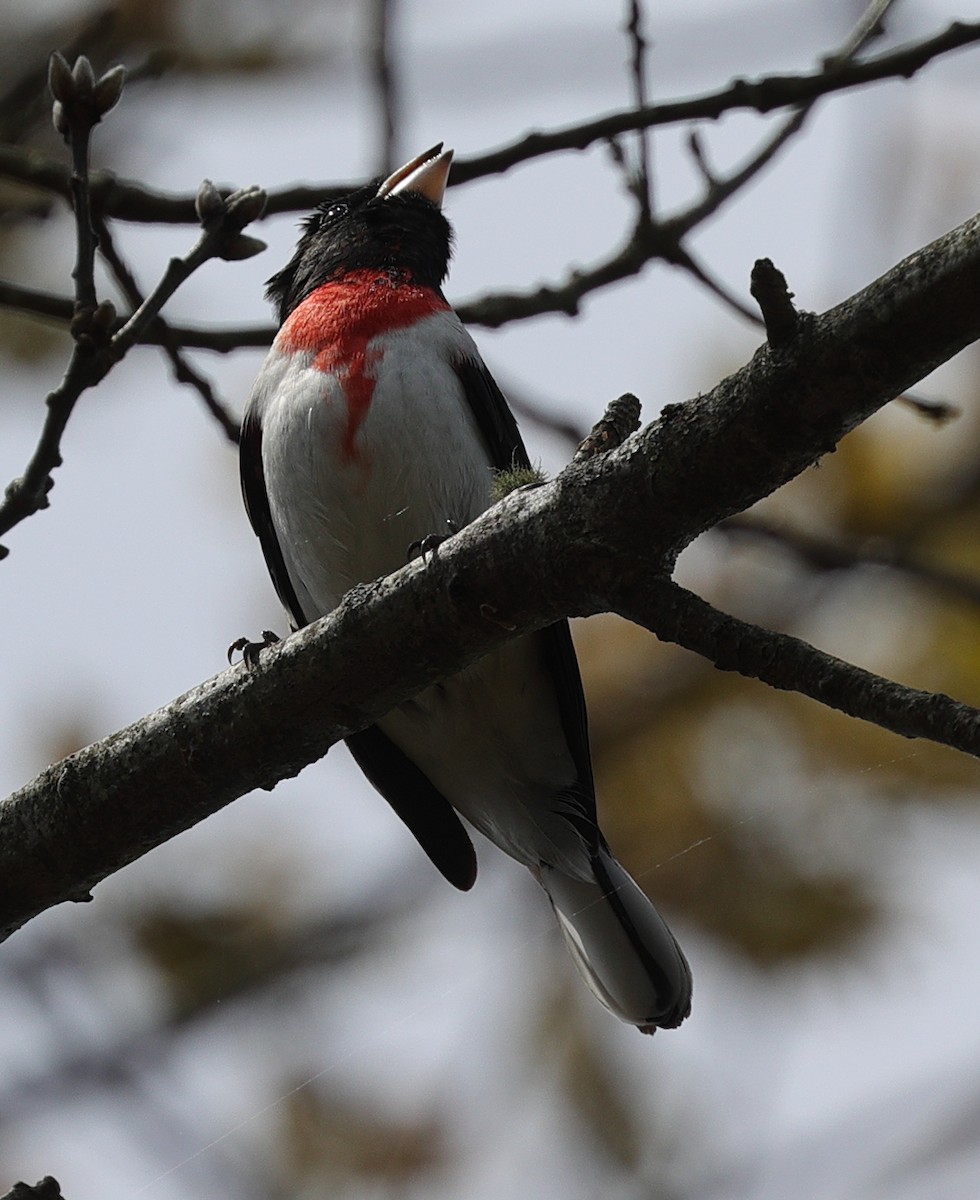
(426, 812)
(259, 513)
(506, 449)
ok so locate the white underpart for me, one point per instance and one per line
(490, 739)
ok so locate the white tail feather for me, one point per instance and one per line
(621, 944)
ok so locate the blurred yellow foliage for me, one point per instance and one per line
(710, 786)
(326, 1137)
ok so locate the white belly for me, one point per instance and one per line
(348, 509)
(489, 739)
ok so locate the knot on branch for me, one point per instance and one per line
(47, 1188)
(771, 293)
(621, 418)
(92, 327)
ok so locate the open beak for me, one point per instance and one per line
(425, 175)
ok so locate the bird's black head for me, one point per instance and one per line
(394, 225)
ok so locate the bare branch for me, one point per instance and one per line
(381, 16)
(131, 201)
(937, 411)
(763, 95)
(824, 554)
(223, 220)
(36, 302)
(652, 239)
(721, 188)
(47, 1188)
(603, 536)
(776, 302)
(686, 260)
(789, 664)
(95, 352)
(60, 308)
(621, 418)
(170, 342)
(870, 25)
(128, 200)
(80, 103)
(649, 240)
(642, 179)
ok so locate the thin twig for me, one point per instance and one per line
(642, 176)
(80, 102)
(763, 95)
(83, 272)
(770, 292)
(789, 664)
(722, 188)
(649, 240)
(381, 16)
(213, 243)
(95, 353)
(59, 309)
(869, 26)
(687, 262)
(937, 411)
(131, 201)
(170, 343)
(823, 554)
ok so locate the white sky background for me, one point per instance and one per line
(127, 591)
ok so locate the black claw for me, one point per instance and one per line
(426, 545)
(252, 651)
(431, 543)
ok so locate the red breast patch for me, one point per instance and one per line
(337, 321)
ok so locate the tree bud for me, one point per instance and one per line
(208, 203)
(240, 246)
(58, 118)
(60, 83)
(83, 77)
(246, 205)
(108, 90)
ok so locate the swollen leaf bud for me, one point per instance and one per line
(83, 77)
(59, 119)
(246, 205)
(104, 316)
(60, 83)
(108, 90)
(208, 202)
(241, 246)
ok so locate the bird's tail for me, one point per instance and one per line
(621, 944)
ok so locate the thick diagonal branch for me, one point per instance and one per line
(603, 536)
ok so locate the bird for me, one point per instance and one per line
(372, 425)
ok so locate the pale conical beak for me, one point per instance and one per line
(425, 176)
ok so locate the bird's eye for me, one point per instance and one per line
(333, 212)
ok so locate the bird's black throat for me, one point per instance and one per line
(404, 236)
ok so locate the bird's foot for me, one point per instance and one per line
(252, 651)
(431, 543)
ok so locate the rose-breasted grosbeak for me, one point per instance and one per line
(372, 424)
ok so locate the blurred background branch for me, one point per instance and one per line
(281, 1002)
